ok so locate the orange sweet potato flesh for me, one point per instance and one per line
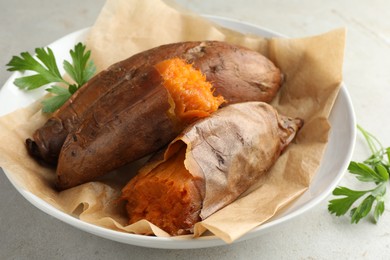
(238, 74)
(209, 166)
(170, 197)
(190, 91)
(162, 101)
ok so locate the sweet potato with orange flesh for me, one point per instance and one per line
(238, 74)
(220, 157)
(121, 127)
(170, 197)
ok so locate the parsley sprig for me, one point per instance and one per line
(374, 169)
(80, 70)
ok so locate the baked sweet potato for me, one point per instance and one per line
(121, 128)
(237, 73)
(208, 166)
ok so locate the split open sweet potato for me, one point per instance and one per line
(121, 127)
(125, 112)
(209, 166)
(237, 73)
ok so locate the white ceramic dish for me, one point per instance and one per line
(333, 166)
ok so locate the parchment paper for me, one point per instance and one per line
(312, 67)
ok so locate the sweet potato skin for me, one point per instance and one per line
(119, 129)
(225, 154)
(48, 140)
(237, 73)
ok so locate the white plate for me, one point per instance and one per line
(333, 166)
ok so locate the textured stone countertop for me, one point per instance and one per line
(28, 233)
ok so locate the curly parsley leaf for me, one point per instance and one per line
(374, 169)
(80, 70)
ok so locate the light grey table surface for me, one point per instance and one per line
(28, 233)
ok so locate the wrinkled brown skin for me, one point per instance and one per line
(114, 133)
(238, 74)
(225, 153)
